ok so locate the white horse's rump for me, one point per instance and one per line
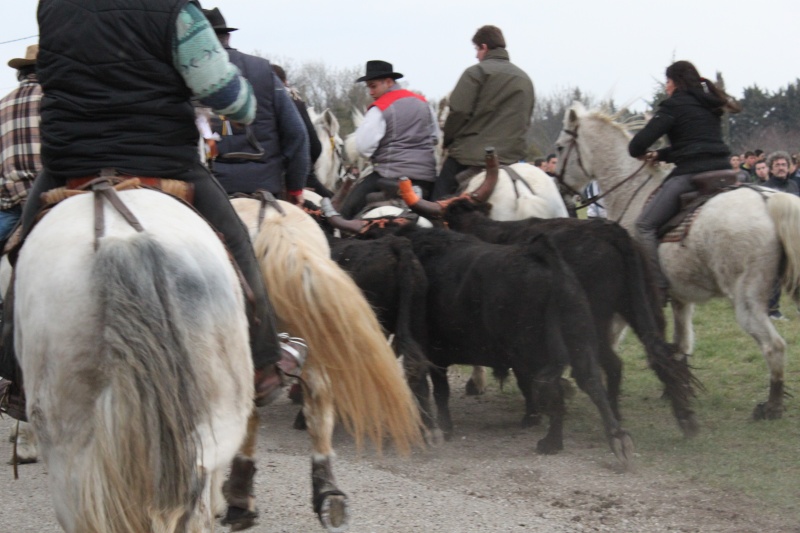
(733, 250)
(136, 363)
(536, 195)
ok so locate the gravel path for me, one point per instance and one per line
(487, 479)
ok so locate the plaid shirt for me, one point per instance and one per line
(20, 147)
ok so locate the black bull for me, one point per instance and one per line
(517, 307)
(608, 265)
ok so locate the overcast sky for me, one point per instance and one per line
(616, 48)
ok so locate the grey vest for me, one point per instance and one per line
(407, 147)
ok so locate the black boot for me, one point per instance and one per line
(12, 397)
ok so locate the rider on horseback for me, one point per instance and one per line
(121, 98)
(691, 118)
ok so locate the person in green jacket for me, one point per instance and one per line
(492, 105)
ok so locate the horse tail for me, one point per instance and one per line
(143, 426)
(411, 324)
(784, 210)
(643, 313)
(315, 299)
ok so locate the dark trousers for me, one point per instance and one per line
(664, 205)
(212, 202)
(446, 184)
(356, 199)
(313, 183)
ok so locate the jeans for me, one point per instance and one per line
(8, 219)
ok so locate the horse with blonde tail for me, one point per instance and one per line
(736, 247)
(351, 371)
(134, 349)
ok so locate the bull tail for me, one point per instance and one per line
(643, 313)
(315, 299)
(410, 328)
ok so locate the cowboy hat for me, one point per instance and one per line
(29, 59)
(217, 21)
(377, 69)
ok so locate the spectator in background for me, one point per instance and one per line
(735, 162)
(762, 172)
(749, 165)
(760, 155)
(539, 162)
(20, 149)
(597, 209)
(794, 171)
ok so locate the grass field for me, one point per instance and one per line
(732, 452)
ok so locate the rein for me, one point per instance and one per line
(596, 198)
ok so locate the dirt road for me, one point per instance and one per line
(487, 479)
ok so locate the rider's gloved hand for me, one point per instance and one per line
(295, 197)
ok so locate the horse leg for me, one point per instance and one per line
(238, 490)
(26, 452)
(441, 395)
(477, 382)
(684, 331)
(329, 502)
(752, 317)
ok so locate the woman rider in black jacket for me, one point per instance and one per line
(691, 118)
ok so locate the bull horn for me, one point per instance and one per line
(484, 191)
(338, 221)
(417, 204)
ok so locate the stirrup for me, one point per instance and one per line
(295, 347)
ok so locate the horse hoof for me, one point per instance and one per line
(434, 437)
(334, 513)
(472, 389)
(622, 446)
(545, 447)
(764, 411)
(239, 519)
(689, 426)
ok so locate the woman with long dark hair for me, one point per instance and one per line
(691, 118)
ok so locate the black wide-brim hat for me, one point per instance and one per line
(217, 21)
(377, 69)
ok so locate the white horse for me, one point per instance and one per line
(136, 363)
(735, 248)
(330, 167)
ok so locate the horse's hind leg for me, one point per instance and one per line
(752, 317)
(238, 490)
(330, 503)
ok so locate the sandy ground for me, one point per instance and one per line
(487, 479)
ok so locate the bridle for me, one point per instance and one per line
(596, 198)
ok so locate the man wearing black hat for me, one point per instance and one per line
(279, 131)
(398, 135)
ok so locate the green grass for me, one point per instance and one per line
(732, 452)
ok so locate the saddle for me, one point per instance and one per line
(707, 184)
(179, 189)
(388, 196)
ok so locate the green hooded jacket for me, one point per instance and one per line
(491, 105)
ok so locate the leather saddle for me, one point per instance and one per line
(707, 184)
